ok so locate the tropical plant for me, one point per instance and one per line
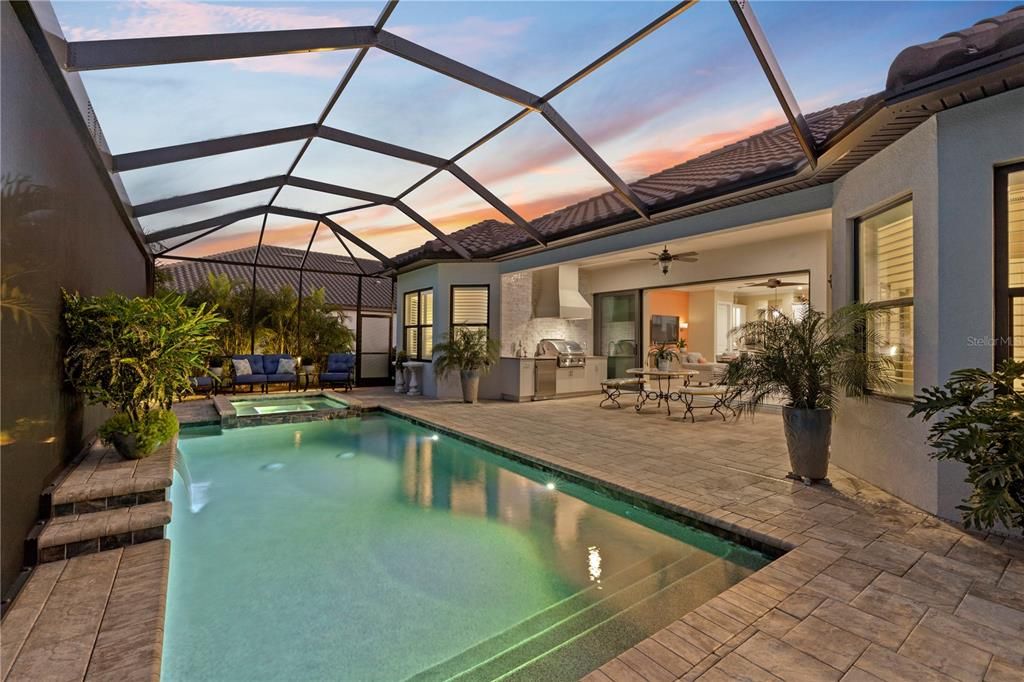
(153, 429)
(981, 424)
(401, 357)
(663, 352)
(810, 362)
(135, 354)
(466, 350)
(273, 315)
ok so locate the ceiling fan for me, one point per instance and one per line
(773, 283)
(664, 259)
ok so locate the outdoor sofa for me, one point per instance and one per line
(265, 370)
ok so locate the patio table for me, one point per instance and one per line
(663, 392)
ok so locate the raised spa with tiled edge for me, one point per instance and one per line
(375, 549)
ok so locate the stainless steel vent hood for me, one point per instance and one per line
(556, 293)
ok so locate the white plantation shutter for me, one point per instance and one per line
(887, 281)
(469, 306)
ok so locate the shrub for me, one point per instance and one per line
(981, 424)
(153, 428)
(135, 354)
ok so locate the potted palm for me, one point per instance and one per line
(135, 355)
(471, 353)
(808, 363)
(663, 354)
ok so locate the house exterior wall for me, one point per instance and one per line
(946, 165)
(441, 277)
(59, 229)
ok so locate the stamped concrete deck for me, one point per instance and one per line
(872, 589)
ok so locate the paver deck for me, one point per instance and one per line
(94, 617)
(872, 589)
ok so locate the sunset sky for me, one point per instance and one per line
(691, 87)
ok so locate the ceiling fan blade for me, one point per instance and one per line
(688, 260)
(645, 260)
(688, 253)
(656, 255)
(755, 284)
(792, 284)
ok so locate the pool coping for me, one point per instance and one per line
(230, 419)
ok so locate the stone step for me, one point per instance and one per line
(104, 480)
(64, 537)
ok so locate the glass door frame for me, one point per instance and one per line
(638, 297)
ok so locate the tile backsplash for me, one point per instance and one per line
(517, 323)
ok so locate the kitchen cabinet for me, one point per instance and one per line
(517, 378)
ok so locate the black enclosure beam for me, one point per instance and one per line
(196, 198)
(129, 52)
(595, 160)
(773, 72)
(497, 203)
(220, 145)
(386, 148)
(199, 226)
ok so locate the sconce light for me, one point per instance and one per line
(684, 325)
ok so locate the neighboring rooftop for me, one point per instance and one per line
(340, 290)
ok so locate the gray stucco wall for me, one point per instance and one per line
(946, 165)
(59, 229)
(441, 277)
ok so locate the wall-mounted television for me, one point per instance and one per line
(664, 329)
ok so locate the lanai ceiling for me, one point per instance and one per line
(368, 128)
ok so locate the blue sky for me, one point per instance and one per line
(691, 87)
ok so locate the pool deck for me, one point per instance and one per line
(869, 588)
(872, 589)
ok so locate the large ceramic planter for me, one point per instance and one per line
(808, 435)
(127, 447)
(470, 385)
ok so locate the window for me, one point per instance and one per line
(886, 282)
(471, 307)
(418, 323)
(1009, 263)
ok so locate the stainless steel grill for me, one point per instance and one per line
(567, 353)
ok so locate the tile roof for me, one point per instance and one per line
(341, 288)
(769, 153)
(761, 158)
(987, 37)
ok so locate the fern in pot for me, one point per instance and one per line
(809, 364)
(135, 355)
(471, 353)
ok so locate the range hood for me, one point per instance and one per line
(556, 293)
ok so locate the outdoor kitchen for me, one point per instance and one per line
(547, 336)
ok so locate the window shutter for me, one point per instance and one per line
(469, 305)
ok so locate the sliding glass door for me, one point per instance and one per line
(617, 331)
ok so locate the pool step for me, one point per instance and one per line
(538, 622)
(64, 537)
(101, 479)
(598, 640)
(525, 641)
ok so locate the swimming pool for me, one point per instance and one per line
(286, 404)
(374, 549)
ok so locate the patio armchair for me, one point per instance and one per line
(203, 385)
(340, 370)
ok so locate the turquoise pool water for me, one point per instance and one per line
(373, 549)
(255, 406)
